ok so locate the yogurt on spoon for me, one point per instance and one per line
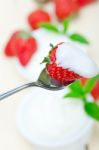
(67, 63)
(70, 56)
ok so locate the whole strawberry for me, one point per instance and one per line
(64, 76)
(65, 8)
(37, 17)
(22, 45)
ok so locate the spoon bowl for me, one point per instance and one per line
(44, 81)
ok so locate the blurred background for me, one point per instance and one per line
(13, 16)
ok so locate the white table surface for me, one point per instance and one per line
(12, 17)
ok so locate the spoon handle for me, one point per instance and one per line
(16, 90)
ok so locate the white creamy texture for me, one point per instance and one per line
(44, 38)
(68, 55)
(50, 118)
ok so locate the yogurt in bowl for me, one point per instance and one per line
(50, 122)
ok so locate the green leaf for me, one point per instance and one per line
(66, 22)
(65, 25)
(90, 84)
(92, 109)
(45, 60)
(49, 27)
(76, 87)
(73, 95)
(76, 90)
(79, 38)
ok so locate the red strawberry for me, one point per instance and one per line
(60, 74)
(85, 2)
(10, 47)
(23, 46)
(26, 46)
(37, 17)
(65, 8)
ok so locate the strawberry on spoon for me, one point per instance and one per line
(66, 63)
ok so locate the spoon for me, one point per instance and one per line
(44, 81)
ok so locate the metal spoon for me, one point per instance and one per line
(44, 81)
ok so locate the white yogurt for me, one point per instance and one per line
(68, 55)
(44, 38)
(48, 119)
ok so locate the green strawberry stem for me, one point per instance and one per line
(51, 45)
(46, 60)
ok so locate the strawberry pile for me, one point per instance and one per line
(65, 8)
(63, 76)
(21, 45)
